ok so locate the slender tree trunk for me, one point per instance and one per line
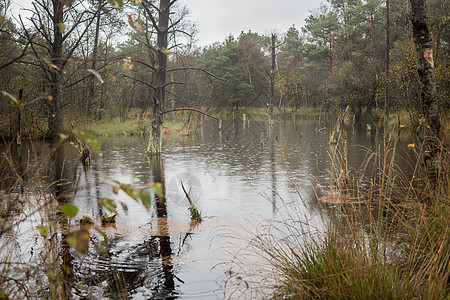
(19, 119)
(56, 84)
(386, 95)
(94, 62)
(97, 32)
(272, 80)
(374, 37)
(155, 141)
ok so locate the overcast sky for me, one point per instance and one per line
(216, 19)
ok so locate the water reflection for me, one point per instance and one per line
(246, 171)
(162, 224)
(140, 265)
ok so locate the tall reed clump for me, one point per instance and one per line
(387, 236)
(31, 261)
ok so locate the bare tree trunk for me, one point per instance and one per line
(386, 96)
(430, 104)
(374, 37)
(56, 83)
(272, 80)
(155, 141)
(94, 63)
(422, 39)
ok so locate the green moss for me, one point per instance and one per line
(86, 220)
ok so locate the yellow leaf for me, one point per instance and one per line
(53, 66)
(62, 27)
(116, 3)
(51, 276)
(136, 23)
(410, 146)
(127, 64)
(165, 51)
(79, 239)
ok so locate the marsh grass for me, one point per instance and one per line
(386, 237)
(21, 211)
(36, 261)
(129, 127)
(44, 252)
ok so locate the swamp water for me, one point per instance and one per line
(239, 177)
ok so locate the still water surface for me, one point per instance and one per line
(245, 173)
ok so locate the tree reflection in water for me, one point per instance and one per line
(163, 228)
(129, 266)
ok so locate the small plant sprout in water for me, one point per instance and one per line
(86, 220)
(106, 219)
(195, 214)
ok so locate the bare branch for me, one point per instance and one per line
(140, 81)
(146, 64)
(75, 25)
(181, 31)
(89, 75)
(173, 24)
(44, 7)
(69, 54)
(189, 109)
(171, 3)
(153, 5)
(150, 15)
(18, 57)
(147, 44)
(43, 66)
(170, 83)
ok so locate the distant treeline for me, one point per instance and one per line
(94, 66)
